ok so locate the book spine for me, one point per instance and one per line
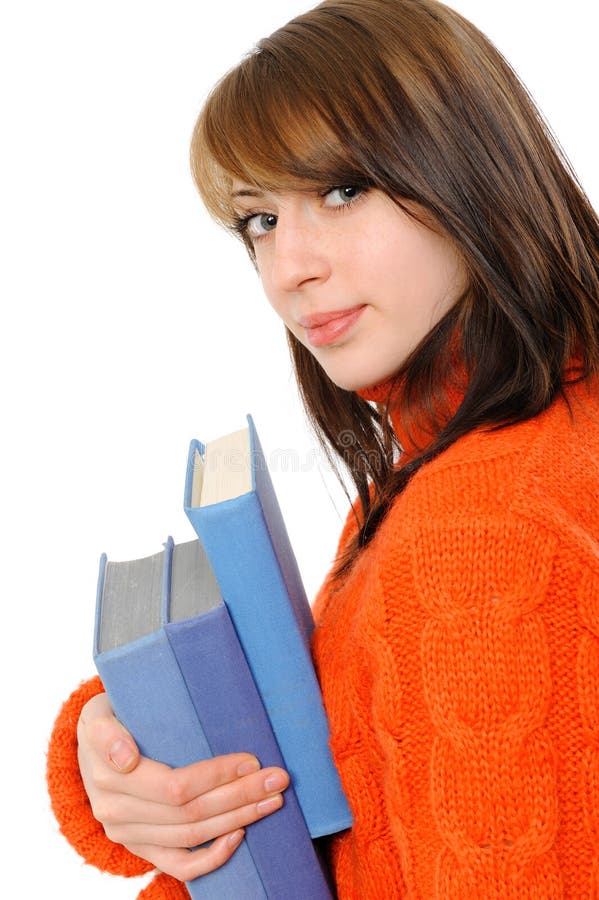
(149, 696)
(277, 531)
(228, 705)
(237, 540)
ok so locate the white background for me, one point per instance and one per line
(131, 324)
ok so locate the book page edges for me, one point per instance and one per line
(224, 471)
(99, 594)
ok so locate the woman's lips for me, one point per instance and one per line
(327, 328)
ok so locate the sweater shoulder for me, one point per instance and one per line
(522, 493)
(545, 470)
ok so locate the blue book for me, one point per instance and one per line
(173, 668)
(231, 503)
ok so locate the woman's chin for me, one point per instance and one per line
(359, 383)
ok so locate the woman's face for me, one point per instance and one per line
(354, 278)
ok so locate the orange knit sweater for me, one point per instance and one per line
(459, 663)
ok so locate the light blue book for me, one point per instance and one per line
(231, 503)
(148, 694)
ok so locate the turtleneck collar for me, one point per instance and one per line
(416, 428)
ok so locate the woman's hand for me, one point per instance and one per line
(157, 812)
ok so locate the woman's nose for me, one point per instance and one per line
(301, 255)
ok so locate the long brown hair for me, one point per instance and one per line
(409, 97)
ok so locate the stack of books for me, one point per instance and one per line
(204, 649)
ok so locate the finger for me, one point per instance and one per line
(158, 783)
(186, 865)
(195, 833)
(235, 795)
(98, 705)
(120, 808)
(100, 732)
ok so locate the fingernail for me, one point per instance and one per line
(275, 782)
(266, 806)
(121, 754)
(249, 766)
(235, 838)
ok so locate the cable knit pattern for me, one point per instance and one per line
(588, 691)
(487, 682)
(459, 662)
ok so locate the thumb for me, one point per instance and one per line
(103, 734)
(122, 751)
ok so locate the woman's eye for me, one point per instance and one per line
(260, 224)
(344, 195)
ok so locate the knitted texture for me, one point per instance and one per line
(73, 811)
(163, 887)
(459, 663)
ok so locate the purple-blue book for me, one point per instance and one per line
(172, 665)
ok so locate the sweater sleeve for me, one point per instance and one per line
(69, 799)
(73, 812)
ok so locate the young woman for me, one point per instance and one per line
(436, 264)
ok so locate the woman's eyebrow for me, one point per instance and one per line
(247, 192)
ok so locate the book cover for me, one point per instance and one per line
(184, 690)
(149, 696)
(234, 720)
(231, 503)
